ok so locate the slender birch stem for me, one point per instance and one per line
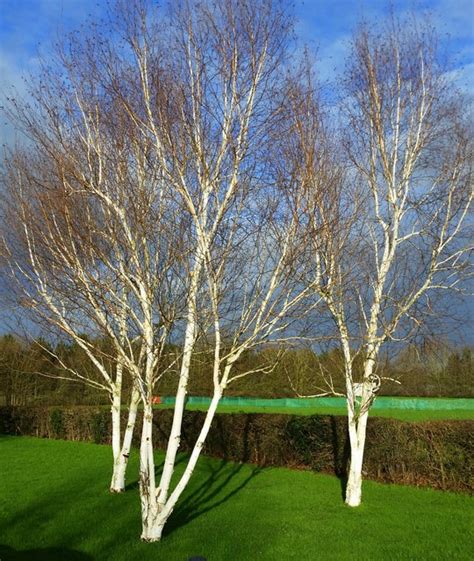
(120, 465)
(188, 347)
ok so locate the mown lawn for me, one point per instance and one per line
(54, 505)
(401, 414)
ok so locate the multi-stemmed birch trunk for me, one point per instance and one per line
(210, 127)
(251, 306)
(62, 291)
(395, 219)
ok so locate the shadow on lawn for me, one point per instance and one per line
(224, 481)
(44, 554)
(158, 469)
(341, 452)
(214, 491)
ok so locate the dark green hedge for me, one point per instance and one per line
(437, 453)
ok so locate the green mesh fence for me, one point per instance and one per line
(417, 403)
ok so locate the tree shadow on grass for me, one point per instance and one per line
(214, 491)
(341, 452)
(44, 554)
(225, 478)
(158, 469)
(223, 482)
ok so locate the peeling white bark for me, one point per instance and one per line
(116, 436)
(175, 434)
(357, 416)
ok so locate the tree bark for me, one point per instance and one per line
(357, 432)
(158, 513)
(117, 484)
(188, 347)
(149, 504)
(116, 432)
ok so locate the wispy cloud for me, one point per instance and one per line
(28, 27)
(328, 26)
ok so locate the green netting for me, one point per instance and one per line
(418, 403)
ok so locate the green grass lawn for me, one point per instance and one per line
(402, 414)
(55, 505)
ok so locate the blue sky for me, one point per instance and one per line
(30, 26)
(328, 25)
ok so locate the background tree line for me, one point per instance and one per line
(30, 374)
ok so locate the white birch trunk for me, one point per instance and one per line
(149, 504)
(188, 347)
(357, 432)
(120, 464)
(159, 513)
(116, 429)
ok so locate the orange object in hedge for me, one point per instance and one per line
(156, 400)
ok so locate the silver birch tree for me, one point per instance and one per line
(212, 137)
(393, 225)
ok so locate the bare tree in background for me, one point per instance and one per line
(18, 364)
(393, 226)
